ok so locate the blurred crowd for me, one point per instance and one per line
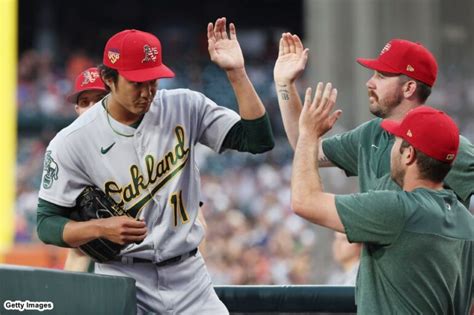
(253, 237)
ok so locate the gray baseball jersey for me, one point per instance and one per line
(149, 170)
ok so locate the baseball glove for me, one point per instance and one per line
(91, 204)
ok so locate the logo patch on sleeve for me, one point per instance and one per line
(50, 170)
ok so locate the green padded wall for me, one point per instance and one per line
(70, 292)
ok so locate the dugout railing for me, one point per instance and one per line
(287, 298)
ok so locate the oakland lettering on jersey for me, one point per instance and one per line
(158, 173)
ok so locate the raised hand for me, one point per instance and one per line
(317, 116)
(224, 49)
(292, 58)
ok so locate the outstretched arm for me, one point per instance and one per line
(224, 50)
(308, 199)
(291, 62)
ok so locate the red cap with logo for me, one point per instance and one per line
(136, 55)
(404, 57)
(429, 130)
(86, 81)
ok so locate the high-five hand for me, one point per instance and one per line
(224, 49)
(317, 116)
(292, 58)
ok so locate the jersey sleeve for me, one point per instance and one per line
(254, 136)
(50, 222)
(373, 217)
(63, 177)
(461, 176)
(214, 122)
(343, 149)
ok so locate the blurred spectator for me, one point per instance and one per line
(347, 257)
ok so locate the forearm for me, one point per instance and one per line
(54, 226)
(250, 105)
(306, 181)
(290, 108)
(79, 233)
(308, 199)
(50, 222)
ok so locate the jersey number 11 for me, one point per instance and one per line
(179, 211)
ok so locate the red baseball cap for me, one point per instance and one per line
(404, 57)
(136, 55)
(429, 130)
(86, 81)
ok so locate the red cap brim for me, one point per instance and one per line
(72, 98)
(142, 75)
(375, 64)
(392, 127)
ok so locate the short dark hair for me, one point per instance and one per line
(423, 90)
(108, 73)
(430, 169)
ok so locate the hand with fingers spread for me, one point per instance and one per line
(317, 116)
(224, 49)
(292, 58)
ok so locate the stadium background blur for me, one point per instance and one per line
(253, 237)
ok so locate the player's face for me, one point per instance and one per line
(86, 99)
(397, 170)
(385, 93)
(133, 98)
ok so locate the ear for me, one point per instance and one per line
(109, 82)
(409, 88)
(76, 108)
(409, 155)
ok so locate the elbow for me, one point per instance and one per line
(50, 232)
(270, 145)
(297, 205)
(306, 209)
(263, 147)
(40, 231)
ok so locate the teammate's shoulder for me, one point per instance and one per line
(373, 123)
(369, 128)
(465, 153)
(465, 144)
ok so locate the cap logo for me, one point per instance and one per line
(385, 49)
(113, 55)
(409, 133)
(89, 77)
(410, 68)
(150, 53)
(450, 157)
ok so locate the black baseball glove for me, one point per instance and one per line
(91, 204)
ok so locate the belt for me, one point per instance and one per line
(173, 260)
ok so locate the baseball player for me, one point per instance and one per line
(404, 74)
(88, 90)
(418, 251)
(138, 146)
